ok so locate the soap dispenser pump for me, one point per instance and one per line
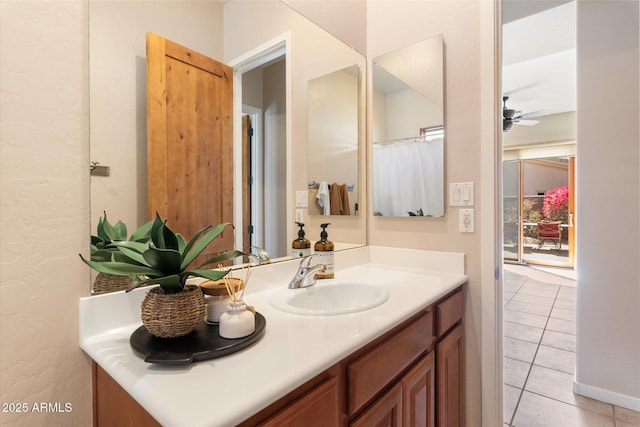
(300, 247)
(324, 254)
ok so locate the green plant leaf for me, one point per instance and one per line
(208, 274)
(181, 243)
(222, 256)
(120, 231)
(165, 260)
(171, 284)
(133, 255)
(194, 249)
(134, 246)
(143, 233)
(162, 236)
(100, 255)
(121, 268)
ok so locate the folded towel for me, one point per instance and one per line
(344, 194)
(336, 199)
(323, 198)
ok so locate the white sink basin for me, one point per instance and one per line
(330, 298)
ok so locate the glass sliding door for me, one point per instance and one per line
(511, 207)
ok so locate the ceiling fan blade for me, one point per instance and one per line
(527, 122)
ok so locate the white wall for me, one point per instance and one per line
(395, 24)
(608, 164)
(44, 210)
(275, 169)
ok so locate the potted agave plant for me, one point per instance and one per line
(102, 249)
(173, 308)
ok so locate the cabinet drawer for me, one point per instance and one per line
(371, 373)
(448, 312)
(318, 408)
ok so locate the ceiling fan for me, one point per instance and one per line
(509, 117)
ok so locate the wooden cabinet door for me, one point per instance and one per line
(189, 140)
(318, 408)
(450, 379)
(385, 412)
(418, 390)
(113, 406)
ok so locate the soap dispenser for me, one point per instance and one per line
(300, 247)
(324, 254)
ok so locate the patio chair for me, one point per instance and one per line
(550, 231)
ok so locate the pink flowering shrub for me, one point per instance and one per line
(556, 204)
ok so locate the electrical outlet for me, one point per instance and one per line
(467, 220)
(299, 215)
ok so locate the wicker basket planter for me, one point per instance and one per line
(168, 315)
(105, 283)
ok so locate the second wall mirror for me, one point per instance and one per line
(408, 131)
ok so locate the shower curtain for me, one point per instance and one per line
(408, 176)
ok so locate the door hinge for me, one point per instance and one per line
(250, 131)
(250, 181)
(250, 229)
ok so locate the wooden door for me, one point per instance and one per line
(418, 394)
(450, 379)
(385, 412)
(247, 182)
(189, 140)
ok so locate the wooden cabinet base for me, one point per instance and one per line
(113, 406)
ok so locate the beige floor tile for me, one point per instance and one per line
(511, 286)
(525, 307)
(559, 385)
(626, 417)
(563, 314)
(534, 299)
(539, 411)
(525, 318)
(561, 325)
(565, 305)
(560, 360)
(522, 332)
(506, 296)
(569, 282)
(514, 372)
(567, 293)
(539, 290)
(511, 397)
(559, 340)
(520, 350)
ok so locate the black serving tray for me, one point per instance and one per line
(203, 343)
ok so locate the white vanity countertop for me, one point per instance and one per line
(294, 348)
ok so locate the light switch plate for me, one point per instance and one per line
(467, 220)
(299, 215)
(461, 194)
(302, 199)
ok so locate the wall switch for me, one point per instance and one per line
(461, 194)
(302, 199)
(467, 220)
(299, 215)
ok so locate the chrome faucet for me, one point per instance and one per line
(305, 275)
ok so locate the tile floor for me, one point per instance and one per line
(539, 355)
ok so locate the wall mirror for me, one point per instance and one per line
(408, 131)
(333, 139)
(117, 88)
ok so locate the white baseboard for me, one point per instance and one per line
(607, 396)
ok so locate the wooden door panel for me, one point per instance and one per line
(190, 140)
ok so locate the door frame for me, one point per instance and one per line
(256, 57)
(257, 194)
